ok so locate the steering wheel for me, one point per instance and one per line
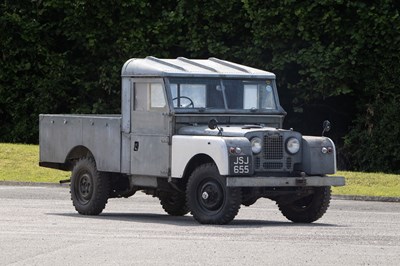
(191, 104)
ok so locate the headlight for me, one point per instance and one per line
(292, 145)
(256, 145)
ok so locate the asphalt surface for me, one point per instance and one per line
(39, 226)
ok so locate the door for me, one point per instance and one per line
(150, 129)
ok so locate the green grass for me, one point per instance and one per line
(20, 162)
(369, 184)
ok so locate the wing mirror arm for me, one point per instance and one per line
(213, 124)
(326, 126)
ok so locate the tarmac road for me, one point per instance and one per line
(39, 226)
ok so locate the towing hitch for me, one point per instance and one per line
(301, 181)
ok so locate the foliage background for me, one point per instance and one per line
(334, 59)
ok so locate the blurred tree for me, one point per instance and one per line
(334, 59)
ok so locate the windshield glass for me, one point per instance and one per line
(231, 94)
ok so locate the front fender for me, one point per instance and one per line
(316, 162)
(184, 148)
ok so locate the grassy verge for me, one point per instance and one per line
(19, 162)
(369, 184)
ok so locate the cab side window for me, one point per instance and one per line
(157, 96)
(149, 97)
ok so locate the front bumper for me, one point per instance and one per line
(307, 181)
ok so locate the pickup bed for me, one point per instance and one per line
(61, 137)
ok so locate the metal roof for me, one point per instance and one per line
(183, 67)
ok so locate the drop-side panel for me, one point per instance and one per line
(102, 136)
(59, 134)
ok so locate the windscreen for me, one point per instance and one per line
(223, 94)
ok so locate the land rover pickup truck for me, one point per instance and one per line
(204, 136)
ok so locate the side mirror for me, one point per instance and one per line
(212, 124)
(326, 126)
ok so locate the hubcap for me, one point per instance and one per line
(211, 195)
(85, 188)
(204, 195)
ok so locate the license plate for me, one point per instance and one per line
(240, 165)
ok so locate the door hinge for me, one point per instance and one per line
(166, 172)
(166, 140)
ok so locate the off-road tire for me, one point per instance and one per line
(89, 188)
(174, 203)
(208, 198)
(308, 209)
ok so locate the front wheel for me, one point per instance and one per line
(208, 198)
(89, 188)
(309, 208)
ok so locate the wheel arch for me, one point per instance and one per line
(195, 162)
(75, 154)
(72, 157)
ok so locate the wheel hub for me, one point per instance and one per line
(204, 195)
(211, 195)
(85, 187)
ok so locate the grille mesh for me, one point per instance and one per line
(272, 165)
(288, 162)
(273, 147)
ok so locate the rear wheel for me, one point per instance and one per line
(174, 203)
(309, 208)
(89, 188)
(208, 198)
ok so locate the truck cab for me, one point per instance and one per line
(204, 136)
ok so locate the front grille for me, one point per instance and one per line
(273, 147)
(270, 166)
(288, 162)
(273, 157)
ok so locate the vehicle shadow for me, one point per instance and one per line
(238, 223)
(188, 220)
(136, 217)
